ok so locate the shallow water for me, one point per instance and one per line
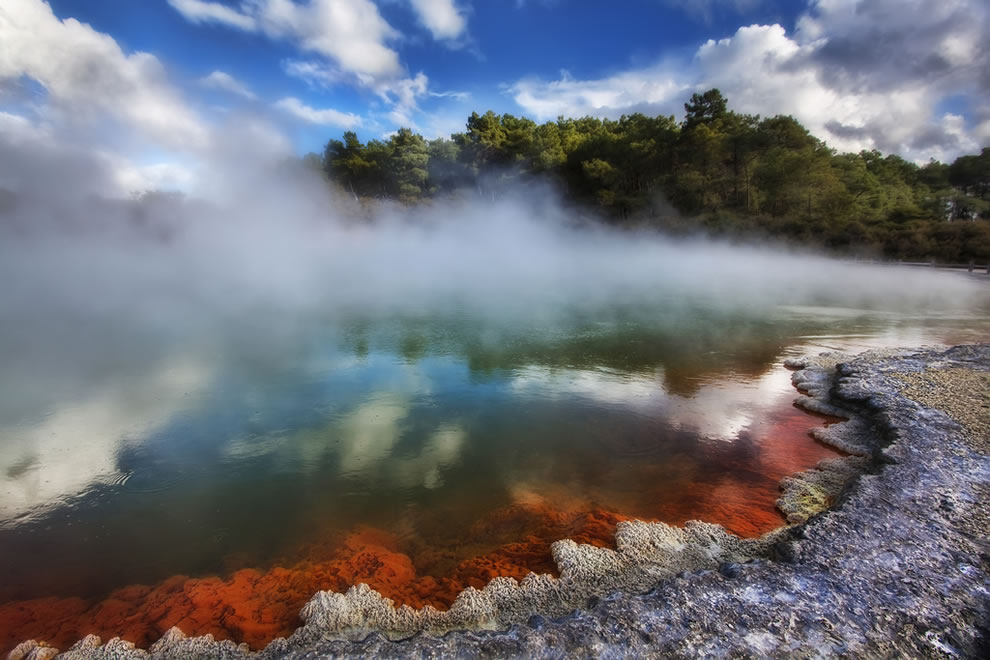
(420, 454)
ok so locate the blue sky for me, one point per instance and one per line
(152, 81)
(501, 42)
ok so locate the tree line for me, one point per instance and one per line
(717, 171)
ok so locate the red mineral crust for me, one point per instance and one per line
(742, 495)
(257, 606)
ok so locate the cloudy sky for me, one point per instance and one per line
(151, 85)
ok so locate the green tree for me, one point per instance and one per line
(446, 171)
(346, 162)
(723, 171)
(971, 174)
(704, 108)
(519, 144)
(548, 151)
(485, 139)
(408, 165)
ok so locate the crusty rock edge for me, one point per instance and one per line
(647, 554)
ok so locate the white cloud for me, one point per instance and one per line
(198, 11)
(406, 91)
(885, 43)
(95, 110)
(354, 39)
(404, 95)
(314, 74)
(459, 96)
(86, 75)
(605, 96)
(836, 74)
(226, 82)
(103, 121)
(762, 70)
(401, 94)
(753, 68)
(444, 19)
(352, 33)
(327, 117)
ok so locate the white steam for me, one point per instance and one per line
(262, 249)
(267, 238)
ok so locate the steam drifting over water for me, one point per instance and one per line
(276, 237)
(262, 247)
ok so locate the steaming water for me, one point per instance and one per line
(256, 376)
(421, 400)
(208, 456)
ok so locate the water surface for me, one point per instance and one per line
(419, 453)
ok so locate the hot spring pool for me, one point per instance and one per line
(420, 454)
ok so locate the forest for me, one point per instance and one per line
(716, 172)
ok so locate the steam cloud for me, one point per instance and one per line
(262, 247)
(113, 310)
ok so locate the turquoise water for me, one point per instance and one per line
(216, 451)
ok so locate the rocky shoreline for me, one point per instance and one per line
(888, 554)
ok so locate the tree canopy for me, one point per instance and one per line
(716, 170)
